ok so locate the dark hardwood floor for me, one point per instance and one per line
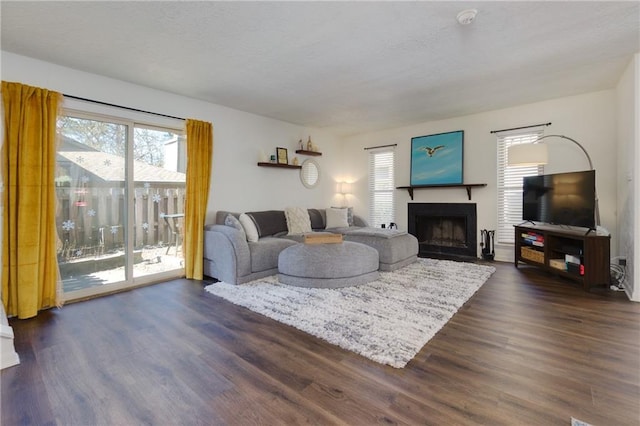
(527, 349)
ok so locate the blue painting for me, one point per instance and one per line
(437, 159)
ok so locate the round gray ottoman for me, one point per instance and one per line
(328, 265)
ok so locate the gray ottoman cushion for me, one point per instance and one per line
(328, 265)
(395, 248)
(264, 252)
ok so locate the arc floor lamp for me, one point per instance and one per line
(536, 153)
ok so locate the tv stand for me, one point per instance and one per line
(548, 247)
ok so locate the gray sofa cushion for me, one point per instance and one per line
(269, 222)
(221, 216)
(392, 249)
(359, 221)
(233, 222)
(264, 253)
(317, 218)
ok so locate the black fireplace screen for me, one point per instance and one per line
(442, 231)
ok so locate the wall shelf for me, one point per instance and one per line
(467, 186)
(305, 152)
(282, 166)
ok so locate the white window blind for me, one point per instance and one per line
(510, 182)
(381, 186)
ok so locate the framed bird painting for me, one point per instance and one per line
(437, 159)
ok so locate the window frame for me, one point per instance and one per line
(509, 182)
(377, 218)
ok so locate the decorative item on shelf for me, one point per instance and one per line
(282, 155)
(309, 144)
(273, 159)
(300, 145)
(295, 161)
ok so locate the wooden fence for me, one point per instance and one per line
(91, 221)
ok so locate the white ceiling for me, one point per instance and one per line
(348, 66)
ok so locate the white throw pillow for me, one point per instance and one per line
(349, 214)
(249, 228)
(337, 218)
(298, 220)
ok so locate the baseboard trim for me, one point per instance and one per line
(8, 356)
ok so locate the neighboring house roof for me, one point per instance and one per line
(110, 167)
(66, 143)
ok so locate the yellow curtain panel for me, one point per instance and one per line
(199, 159)
(29, 263)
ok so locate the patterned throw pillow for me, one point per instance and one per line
(337, 218)
(298, 221)
(233, 222)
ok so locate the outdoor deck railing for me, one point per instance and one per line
(91, 221)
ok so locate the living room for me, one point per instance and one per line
(603, 119)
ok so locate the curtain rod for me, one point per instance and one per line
(523, 127)
(381, 146)
(123, 107)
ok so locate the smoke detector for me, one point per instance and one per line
(467, 16)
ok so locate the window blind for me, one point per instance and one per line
(510, 182)
(381, 186)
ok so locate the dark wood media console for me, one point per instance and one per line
(547, 247)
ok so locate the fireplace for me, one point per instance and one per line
(444, 229)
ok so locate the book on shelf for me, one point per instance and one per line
(569, 258)
(531, 237)
(533, 242)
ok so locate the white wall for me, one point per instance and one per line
(588, 118)
(628, 111)
(236, 183)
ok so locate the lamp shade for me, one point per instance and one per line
(527, 154)
(344, 188)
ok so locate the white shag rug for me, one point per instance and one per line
(388, 320)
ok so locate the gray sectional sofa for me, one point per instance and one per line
(229, 257)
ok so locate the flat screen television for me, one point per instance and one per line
(560, 199)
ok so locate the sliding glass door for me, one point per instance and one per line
(158, 200)
(120, 192)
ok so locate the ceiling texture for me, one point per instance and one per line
(350, 67)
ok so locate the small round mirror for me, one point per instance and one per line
(310, 174)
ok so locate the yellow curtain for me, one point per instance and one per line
(29, 264)
(199, 159)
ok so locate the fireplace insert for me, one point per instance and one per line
(444, 229)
